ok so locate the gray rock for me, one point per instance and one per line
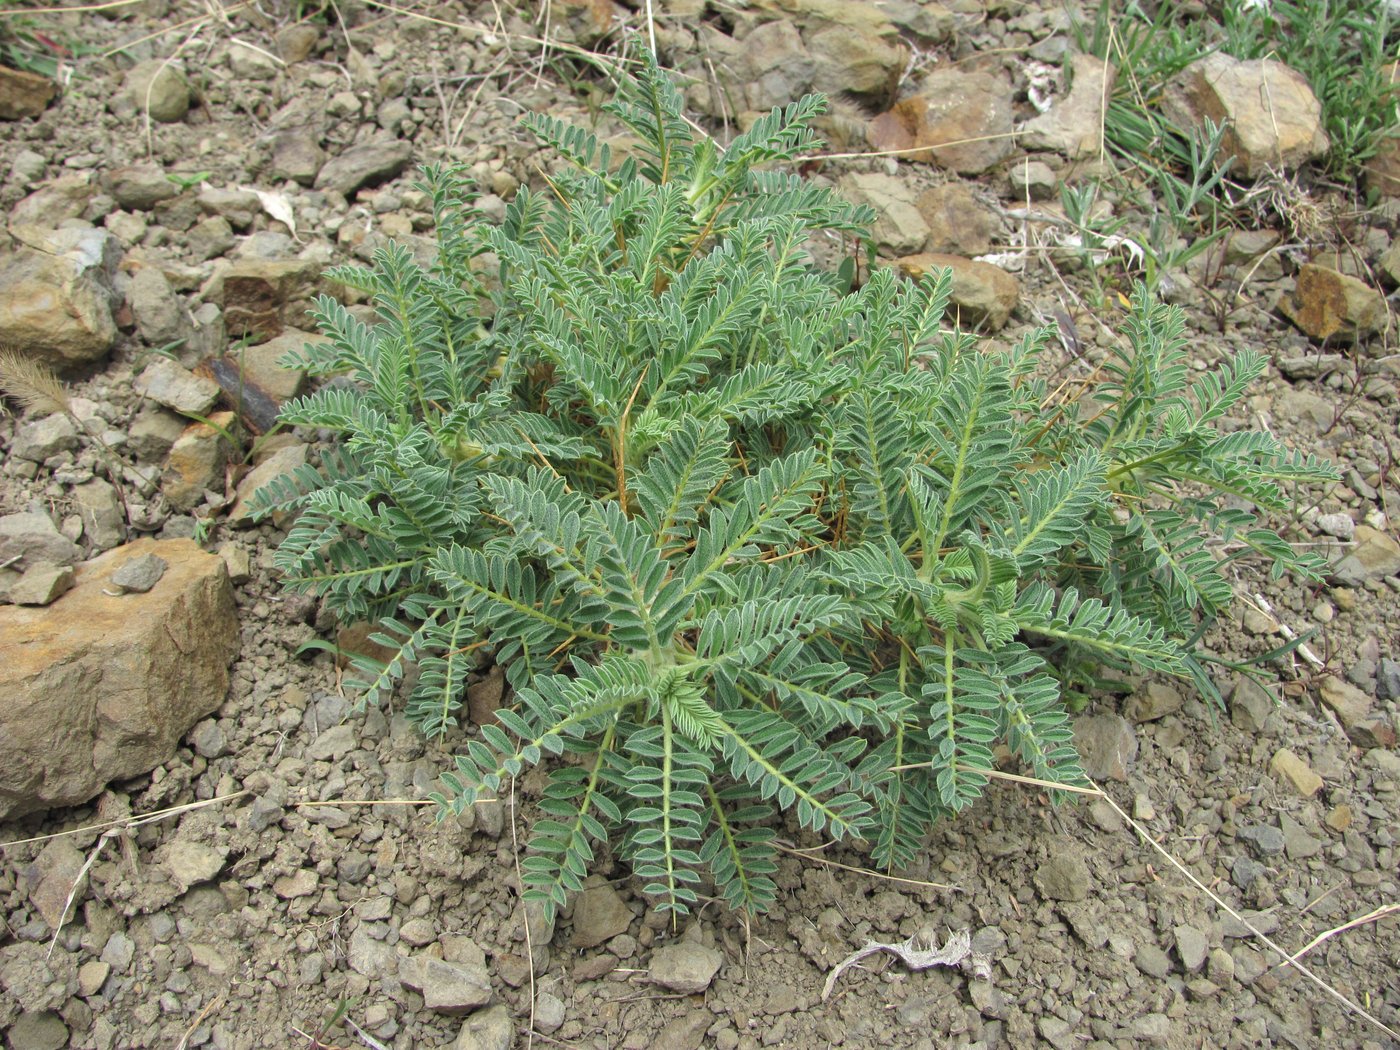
(684, 966)
(899, 228)
(101, 688)
(210, 238)
(32, 537)
(160, 319)
(139, 575)
(158, 86)
(119, 952)
(296, 155)
(1339, 525)
(1250, 705)
(1107, 746)
(371, 163)
(1388, 679)
(489, 1029)
(38, 439)
(66, 197)
(42, 584)
(1153, 1029)
(549, 1013)
(196, 462)
(99, 505)
(190, 863)
(1245, 872)
(1374, 557)
(166, 383)
(56, 297)
(153, 432)
(239, 207)
(447, 987)
(1152, 961)
(1064, 876)
(600, 914)
(1033, 180)
(1297, 843)
(1073, 126)
(208, 739)
(28, 168)
(1267, 841)
(1191, 948)
(1057, 1032)
(369, 955)
(983, 295)
(139, 187)
(333, 744)
(43, 1030)
(770, 67)
(251, 63)
(281, 463)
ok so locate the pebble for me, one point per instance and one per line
(119, 952)
(447, 987)
(1295, 771)
(1152, 961)
(600, 914)
(1296, 841)
(1245, 872)
(1107, 746)
(301, 883)
(1267, 841)
(684, 966)
(92, 975)
(208, 739)
(549, 1012)
(1064, 877)
(489, 1029)
(1191, 947)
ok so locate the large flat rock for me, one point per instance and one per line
(101, 686)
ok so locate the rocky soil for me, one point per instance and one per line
(169, 218)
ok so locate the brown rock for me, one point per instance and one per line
(1383, 167)
(261, 297)
(958, 222)
(983, 294)
(24, 94)
(1274, 119)
(1073, 126)
(856, 48)
(65, 197)
(259, 364)
(283, 461)
(963, 118)
(102, 688)
(1326, 304)
(484, 697)
(196, 462)
(1299, 774)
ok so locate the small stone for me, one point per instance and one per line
(1298, 773)
(43, 1030)
(1374, 557)
(1153, 1029)
(1338, 818)
(42, 584)
(899, 228)
(166, 383)
(1267, 841)
(1057, 1032)
(281, 463)
(139, 187)
(369, 955)
(158, 86)
(296, 155)
(1339, 525)
(24, 94)
(1152, 961)
(1220, 967)
(1245, 871)
(599, 914)
(251, 63)
(296, 42)
(58, 296)
(1265, 922)
(684, 966)
(237, 562)
(139, 575)
(100, 507)
(56, 870)
(190, 863)
(208, 739)
(1033, 180)
(301, 883)
(1191, 948)
(264, 813)
(417, 933)
(1296, 840)
(450, 988)
(196, 462)
(549, 1013)
(119, 951)
(987, 998)
(333, 744)
(92, 975)
(160, 318)
(958, 222)
(1250, 705)
(1143, 809)
(1156, 700)
(39, 439)
(489, 1029)
(31, 537)
(1064, 876)
(368, 164)
(1107, 746)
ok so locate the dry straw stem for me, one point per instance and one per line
(32, 384)
(1288, 959)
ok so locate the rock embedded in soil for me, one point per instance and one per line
(196, 462)
(159, 87)
(56, 298)
(139, 187)
(1153, 701)
(160, 317)
(1250, 705)
(281, 463)
(39, 439)
(685, 966)
(600, 914)
(1326, 304)
(489, 1029)
(899, 227)
(1274, 119)
(364, 165)
(958, 223)
(964, 120)
(983, 295)
(1191, 948)
(261, 297)
(32, 537)
(449, 988)
(1107, 746)
(104, 688)
(1073, 126)
(1064, 876)
(38, 1031)
(1289, 767)
(1374, 557)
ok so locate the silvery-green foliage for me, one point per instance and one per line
(745, 540)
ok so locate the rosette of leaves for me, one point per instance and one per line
(746, 541)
